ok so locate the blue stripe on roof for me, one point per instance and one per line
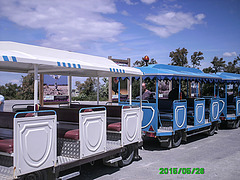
(69, 65)
(74, 65)
(123, 71)
(110, 69)
(64, 64)
(79, 66)
(117, 70)
(113, 69)
(14, 59)
(120, 70)
(58, 63)
(5, 58)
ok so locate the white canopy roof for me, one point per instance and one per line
(17, 57)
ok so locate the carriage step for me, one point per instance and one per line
(111, 161)
(198, 132)
(69, 176)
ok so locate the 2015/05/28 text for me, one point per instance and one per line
(181, 170)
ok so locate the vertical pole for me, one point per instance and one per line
(201, 85)
(35, 86)
(214, 89)
(226, 92)
(140, 91)
(41, 90)
(187, 88)
(156, 93)
(218, 90)
(98, 90)
(110, 85)
(70, 89)
(197, 89)
(119, 86)
(179, 89)
(130, 90)
(128, 81)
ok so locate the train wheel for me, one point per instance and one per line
(237, 123)
(38, 175)
(177, 138)
(127, 156)
(212, 130)
(232, 125)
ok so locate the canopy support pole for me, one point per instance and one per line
(98, 90)
(214, 89)
(130, 90)
(119, 86)
(70, 89)
(197, 89)
(156, 93)
(226, 91)
(140, 91)
(218, 90)
(187, 88)
(35, 86)
(179, 89)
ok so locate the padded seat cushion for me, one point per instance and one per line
(72, 134)
(114, 127)
(6, 145)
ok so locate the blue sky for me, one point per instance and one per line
(124, 28)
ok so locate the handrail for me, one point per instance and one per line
(26, 112)
(101, 107)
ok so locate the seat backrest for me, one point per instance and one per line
(6, 119)
(165, 105)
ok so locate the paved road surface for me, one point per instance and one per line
(219, 155)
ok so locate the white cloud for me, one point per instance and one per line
(125, 13)
(166, 24)
(129, 2)
(148, 1)
(229, 54)
(68, 24)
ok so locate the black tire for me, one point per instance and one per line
(237, 123)
(38, 175)
(232, 125)
(177, 138)
(127, 156)
(212, 130)
(167, 144)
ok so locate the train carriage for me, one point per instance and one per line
(38, 143)
(173, 120)
(229, 103)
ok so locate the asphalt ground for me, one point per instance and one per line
(219, 155)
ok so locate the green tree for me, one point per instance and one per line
(27, 89)
(233, 67)
(87, 89)
(103, 92)
(218, 64)
(208, 70)
(10, 91)
(196, 58)
(142, 62)
(135, 84)
(179, 57)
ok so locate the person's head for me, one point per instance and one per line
(144, 86)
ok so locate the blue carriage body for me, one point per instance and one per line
(229, 108)
(164, 118)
